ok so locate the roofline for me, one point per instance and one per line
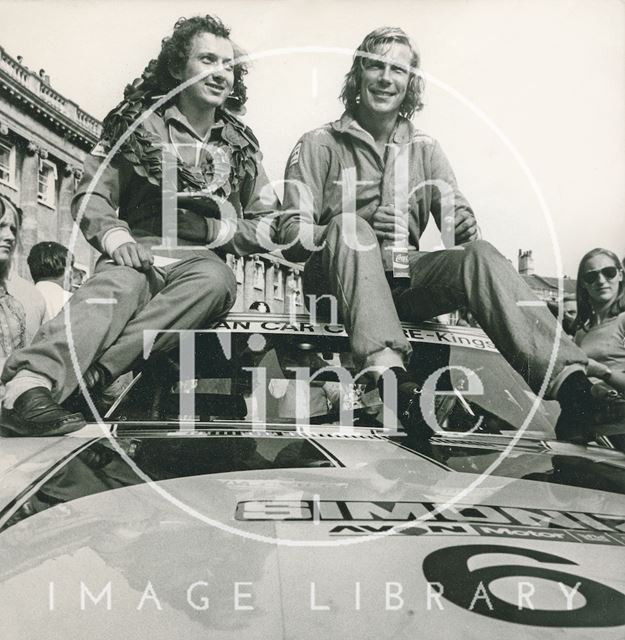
(23, 85)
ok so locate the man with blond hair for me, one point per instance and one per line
(359, 193)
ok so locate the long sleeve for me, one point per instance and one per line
(97, 206)
(256, 231)
(304, 180)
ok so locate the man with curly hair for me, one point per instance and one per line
(359, 193)
(175, 171)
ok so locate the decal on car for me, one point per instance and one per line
(452, 337)
(429, 518)
(470, 588)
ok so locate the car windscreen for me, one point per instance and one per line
(99, 467)
(285, 379)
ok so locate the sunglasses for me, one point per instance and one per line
(609, 273)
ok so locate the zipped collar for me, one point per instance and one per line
(402, 133)
(173, 114)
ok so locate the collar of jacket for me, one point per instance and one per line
(403, 132)
(231, 130)
(173, 114)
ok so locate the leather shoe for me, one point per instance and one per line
(35, 413)
(578, 407)
(97, 378)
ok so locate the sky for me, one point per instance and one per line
(527, 98)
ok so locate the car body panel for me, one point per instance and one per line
(206, 534)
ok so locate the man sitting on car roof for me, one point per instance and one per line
(178, 114)
(374, 163)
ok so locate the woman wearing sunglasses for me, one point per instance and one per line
(600, 322)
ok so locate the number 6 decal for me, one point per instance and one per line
(603, 607)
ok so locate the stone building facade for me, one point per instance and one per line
(44, 138)
(268, 278)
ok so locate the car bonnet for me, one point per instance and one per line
(351, 548)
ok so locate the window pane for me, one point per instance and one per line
(5, 163)
(259, 276)
(46, 188)
(278, 284)
(42, 188)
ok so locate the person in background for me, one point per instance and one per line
(22, 308)
(48, 262)
(600, 323)
(569, 312)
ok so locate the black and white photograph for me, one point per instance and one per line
(312, 319)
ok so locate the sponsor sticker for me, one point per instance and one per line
(452, 337)
(356, 517)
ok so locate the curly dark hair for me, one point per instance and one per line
(175, 53)
(383, 37)
(156, 78)
(585, 310)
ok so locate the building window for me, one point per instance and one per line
(46, 188)
(294, 288)
(298, 291)
(259, 276)
(290, 284)
(278, 283)
(7, 164)
(240, 270)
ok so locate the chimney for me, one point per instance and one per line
(526, 263)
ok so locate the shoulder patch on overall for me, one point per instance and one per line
(320, 131)
(294, 159)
